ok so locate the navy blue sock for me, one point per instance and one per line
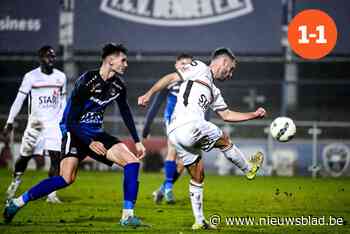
(176, 176)
(170, 171)
(44, 188)
(131, 184)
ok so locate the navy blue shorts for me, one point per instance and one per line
(72, 146)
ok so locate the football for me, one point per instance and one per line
(282, 129)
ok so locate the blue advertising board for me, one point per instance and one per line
(162, 26)
(25, 26)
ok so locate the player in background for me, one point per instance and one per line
(45, 87)
(190, 133)
(172, 168)
(83, 134)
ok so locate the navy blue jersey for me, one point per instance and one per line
(170, 94)
(169, 108)
(173, 90)
(85, 108)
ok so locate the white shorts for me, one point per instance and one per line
(189, 139)
(48, 139)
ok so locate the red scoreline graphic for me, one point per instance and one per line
(312, 34)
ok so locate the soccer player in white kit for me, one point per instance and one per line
(45, 88)
(190, 133)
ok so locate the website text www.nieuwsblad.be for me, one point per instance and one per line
(217, 219)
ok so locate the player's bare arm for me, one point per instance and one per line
(15, 109)
(233, 116)
(159, 85)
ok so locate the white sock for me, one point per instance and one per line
(196, 196)
(53, 194)
(237, 157)
(17, 177)
(19, 201)
(127, 212)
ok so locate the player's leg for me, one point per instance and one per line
(67, 176)
(122, 156)
(39, 161)
(237, 157)
(191, 157)
(179, 169)
(171, 175)
(19, 168)
(196, 171)
(69, 167)
(29, 141)
(54, 170)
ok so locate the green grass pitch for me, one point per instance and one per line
(93, 204)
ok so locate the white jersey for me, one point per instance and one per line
(197, 94)
(44, 95)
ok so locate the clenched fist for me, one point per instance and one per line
(260, 112)
(144, 100)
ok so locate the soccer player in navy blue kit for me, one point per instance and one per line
(83, 134)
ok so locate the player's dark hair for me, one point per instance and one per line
(43, 50)
(184, 56)
(223, 51)
(112, 48)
